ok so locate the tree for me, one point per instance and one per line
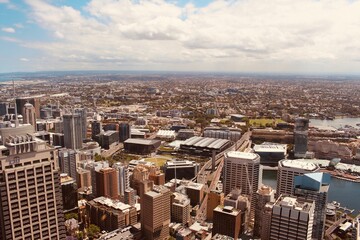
(97, 157)
(71, 215)
(93, 231)
(80, 235)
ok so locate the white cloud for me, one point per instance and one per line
(59, 35)
(257, 35)
(9, 39)
(4, 1)
(24, 59)
(8, 30)
(19, 25)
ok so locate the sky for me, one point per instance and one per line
(275, 36)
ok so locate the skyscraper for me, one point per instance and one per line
(94, 167)
(29, 115)
(72, 131)
(266, 221)
(21, 101)
(287, 170)
(240, 202)
(96, 129)
(292, 218)
(180, 208)
(124, 131)
(215, 198)
(122, 174)
(69, 192)
(264, 195)
(155, 213)
(242, 170)
(226, 221)
(67, 162)
(129, 196)
(106, 183)
(4, 106)
(314, 186)
(301, 137)
(83, 116)
(195, 191)
(30, 192)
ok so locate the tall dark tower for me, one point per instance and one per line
(72, 131)
(301, 137)
(83, 116)
(96, 129)
(124, 131)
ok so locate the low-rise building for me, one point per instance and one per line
(110, 214)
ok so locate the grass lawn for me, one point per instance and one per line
(264, 121)
(158, 161)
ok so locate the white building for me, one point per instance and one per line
(287, 170)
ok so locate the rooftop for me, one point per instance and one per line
(181, 199)
(227, 209)
(270, 148)
(180, 163)
(141, 141)
(295, 203)
(109, 133)
(112, 203)
(205, 142)
(196, 186)
(242, 155)
(157, 191)
(299, 164)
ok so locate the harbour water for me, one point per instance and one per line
(345, 192)
(336, 123)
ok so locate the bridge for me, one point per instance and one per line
(243, 144)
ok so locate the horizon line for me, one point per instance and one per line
(319, 74)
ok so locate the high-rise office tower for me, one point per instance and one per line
(264, 195)
(180, 208)
(83, 116)
(292, 218)
(69, 192)
(266, 221)
(29, 115)
(301, 137)
(4, 106)
(314, 186)
(21, 101)
(287, 170)
(72, 131)
(242, 170)
(94, 167)
(129, 196)
(240, 202)
(30, 191)
(83, 180)
(226, 221)
(106, 183)
(215, 198)
(122, 174)
(96, 128)
(67, 162)
(124, 131)
(195, 192)
(155, 213)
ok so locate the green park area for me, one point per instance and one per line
(157, 160)
(265, 122)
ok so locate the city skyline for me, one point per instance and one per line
(218, 36)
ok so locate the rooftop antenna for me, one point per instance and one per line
(15, 107)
